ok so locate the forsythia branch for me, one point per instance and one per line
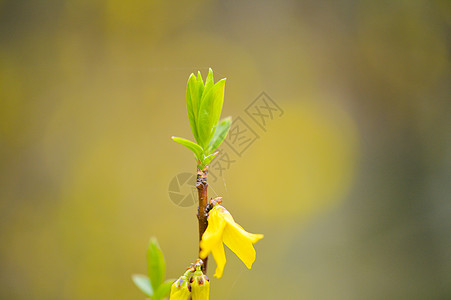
(202, 186)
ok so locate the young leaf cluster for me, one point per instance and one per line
(154, 285)
(204, 105)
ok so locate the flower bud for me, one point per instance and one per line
(180, 289)
(200, 285)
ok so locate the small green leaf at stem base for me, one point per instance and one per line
(156, 266)
(164, 290)
(143, 283)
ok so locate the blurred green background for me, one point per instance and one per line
(350, 185)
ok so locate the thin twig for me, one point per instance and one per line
(202, 186)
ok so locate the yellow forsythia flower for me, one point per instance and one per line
(200, 285)
(180, 289)
(222, 228)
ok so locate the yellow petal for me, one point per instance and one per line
(220, 259)
(252, 236)
(239, 240)
(240, 244)
(230, 221)
(213, 234)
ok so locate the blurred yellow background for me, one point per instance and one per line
(350, 185)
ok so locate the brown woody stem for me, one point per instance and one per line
(202, 186)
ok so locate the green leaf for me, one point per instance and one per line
(220, 134)
(199, 93)
(164, 289)
(209, 81)
(143, 283)
(209, 112)
(207, 160)
(155, 264)
(198, 151)
(192, 103)
(200, 83)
